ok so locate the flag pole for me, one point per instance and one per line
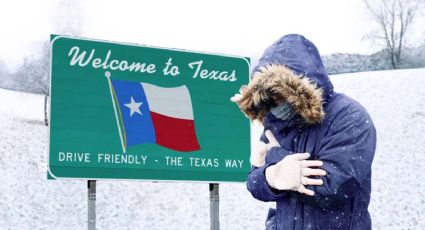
(108, 75)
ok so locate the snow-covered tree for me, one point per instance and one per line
(3, 74)
(394, 19)
(43, 81)
(69, 21)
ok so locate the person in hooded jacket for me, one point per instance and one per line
(318, 144)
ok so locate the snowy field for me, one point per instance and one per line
(395, 100)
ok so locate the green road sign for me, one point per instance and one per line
(124, 111)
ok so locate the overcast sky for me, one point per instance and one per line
(229, 26)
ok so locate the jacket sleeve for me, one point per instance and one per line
(347, 151)
(256, 182)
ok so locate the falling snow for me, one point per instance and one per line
(395, 100)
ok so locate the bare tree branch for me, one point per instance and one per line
(394, 18)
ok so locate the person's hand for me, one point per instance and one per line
(293, 172)
(258, 153)
(272, 140)
(237, 97)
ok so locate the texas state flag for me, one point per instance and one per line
(153, 114)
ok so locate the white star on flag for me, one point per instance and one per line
(134, 107)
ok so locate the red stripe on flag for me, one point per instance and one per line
(175, 133)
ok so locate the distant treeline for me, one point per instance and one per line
(348, 63)
(32, 75)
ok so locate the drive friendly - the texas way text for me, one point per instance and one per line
(140, 159)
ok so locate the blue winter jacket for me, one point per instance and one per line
(345, 141)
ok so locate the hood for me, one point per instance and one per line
(302, 57)
(294, 65)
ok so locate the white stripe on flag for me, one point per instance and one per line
(171, 102)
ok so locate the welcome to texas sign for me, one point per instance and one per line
(123, 111)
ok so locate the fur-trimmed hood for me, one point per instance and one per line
(292, 71)
(301, 93)
(302, 57)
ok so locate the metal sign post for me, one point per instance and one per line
(91, 221)
(214, 207)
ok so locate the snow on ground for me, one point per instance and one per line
(396, 102)
(395, 99)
